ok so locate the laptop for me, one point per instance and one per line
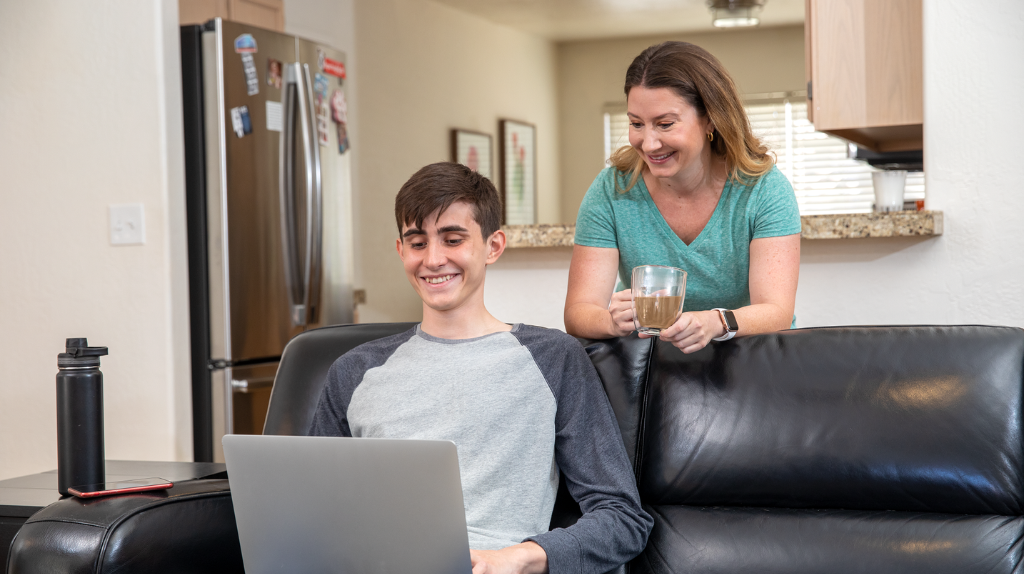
(347, 505)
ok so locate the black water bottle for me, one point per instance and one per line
(79, 416)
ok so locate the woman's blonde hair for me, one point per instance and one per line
(701, 80)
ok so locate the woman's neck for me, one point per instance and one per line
(705, 177)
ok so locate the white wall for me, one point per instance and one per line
(974, 273)
(425, 68)
(528, 285)
(90, 115)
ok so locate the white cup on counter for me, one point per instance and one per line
(889, 186)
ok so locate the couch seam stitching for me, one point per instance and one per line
(642, 431)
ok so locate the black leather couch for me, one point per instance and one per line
(840, 450)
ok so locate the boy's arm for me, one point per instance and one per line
(347, 372)
(593, 461)
(330, 417)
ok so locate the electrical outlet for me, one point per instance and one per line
(127, 224)
(359, 297)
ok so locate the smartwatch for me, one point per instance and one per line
(729, 320)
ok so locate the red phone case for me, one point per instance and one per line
(140, 488)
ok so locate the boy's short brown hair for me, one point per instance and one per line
(437, 186)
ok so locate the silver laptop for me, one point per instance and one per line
(361, 506)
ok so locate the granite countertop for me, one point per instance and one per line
(835, 226)
(857, 225)
(540, 235)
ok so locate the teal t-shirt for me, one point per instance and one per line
(717, 262)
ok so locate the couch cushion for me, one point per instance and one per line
(887, 418)
(785, 541)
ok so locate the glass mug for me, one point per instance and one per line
(657, 292)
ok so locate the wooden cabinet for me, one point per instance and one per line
(864, 71)
(268, 14)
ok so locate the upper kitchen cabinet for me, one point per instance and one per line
(267, 14)
(864, 71)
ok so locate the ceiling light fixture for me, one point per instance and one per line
(735, 13)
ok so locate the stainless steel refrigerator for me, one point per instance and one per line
(269, 212)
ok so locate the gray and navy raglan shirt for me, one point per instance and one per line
(519, 406)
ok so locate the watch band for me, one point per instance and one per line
(729, 333)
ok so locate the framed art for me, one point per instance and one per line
(518, 158)
(473, 150)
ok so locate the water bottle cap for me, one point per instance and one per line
(79, 354)
(79, 347)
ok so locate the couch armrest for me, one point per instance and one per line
(188, 528)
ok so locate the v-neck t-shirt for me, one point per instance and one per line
(717, 262)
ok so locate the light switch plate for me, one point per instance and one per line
(127, 224)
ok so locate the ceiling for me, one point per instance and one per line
(586, 19)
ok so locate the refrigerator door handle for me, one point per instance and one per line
(314, 209)
(291, 91)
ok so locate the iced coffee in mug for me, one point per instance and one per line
(657, 292)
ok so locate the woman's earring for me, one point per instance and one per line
(711, 136)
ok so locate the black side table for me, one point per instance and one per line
(23, 496)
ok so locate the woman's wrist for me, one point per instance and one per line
(611, 327)
(591, 322)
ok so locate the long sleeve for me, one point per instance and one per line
(593, 461)
(347, 372)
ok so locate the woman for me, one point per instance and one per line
(695, 189)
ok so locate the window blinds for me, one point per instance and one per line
(824, 177)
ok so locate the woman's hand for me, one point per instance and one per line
(693, 331)
(621, 309)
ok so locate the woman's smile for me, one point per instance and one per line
(659, 158)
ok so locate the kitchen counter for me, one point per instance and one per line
(834, 226)
(540, 235)
(857, 225)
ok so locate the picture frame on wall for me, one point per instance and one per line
(473, 150)
(517, 150)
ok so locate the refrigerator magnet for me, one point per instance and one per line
(252, 79)
(245, 44)
(342, 138)
(339, 108)
(320, 57)
(320, 85)
(273, 73)
(322, 123)
(240, 121)
(275, 116)
(334, 68)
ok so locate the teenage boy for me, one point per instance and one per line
(521, 403)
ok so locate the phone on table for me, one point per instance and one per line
(120, 487)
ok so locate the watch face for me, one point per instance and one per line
(730, 321)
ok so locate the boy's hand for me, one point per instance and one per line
(525, 558)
